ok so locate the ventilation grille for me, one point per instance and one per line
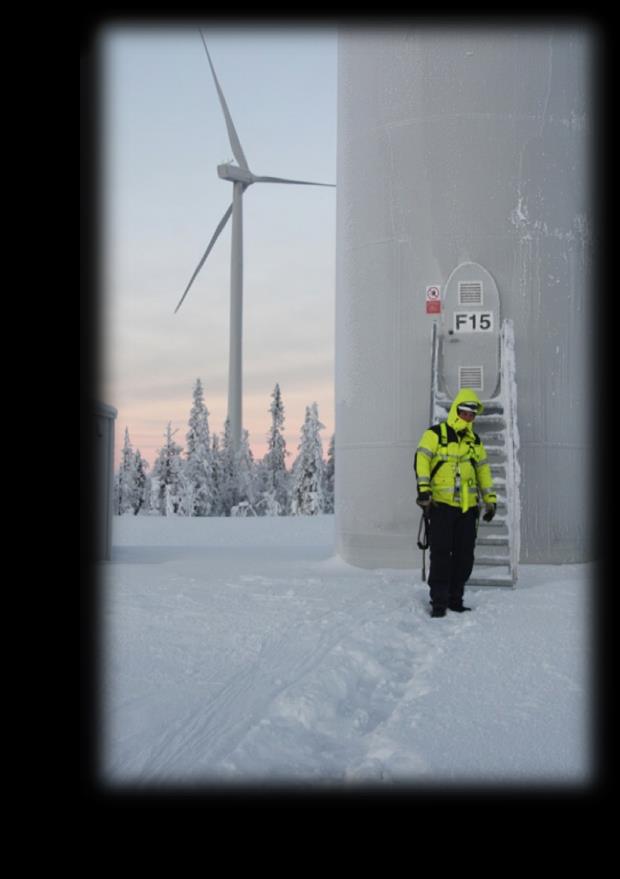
(471, 377)
(470, 293)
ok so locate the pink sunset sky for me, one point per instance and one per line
(163, 135)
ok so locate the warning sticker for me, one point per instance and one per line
(433, 299)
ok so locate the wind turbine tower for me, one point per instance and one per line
(241, 177)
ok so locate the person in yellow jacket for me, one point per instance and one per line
(453, 474)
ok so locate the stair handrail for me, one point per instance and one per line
(508, 395)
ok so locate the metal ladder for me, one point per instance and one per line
(498, 542)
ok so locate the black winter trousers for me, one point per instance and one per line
(452, 536)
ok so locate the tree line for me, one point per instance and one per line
(207, 478)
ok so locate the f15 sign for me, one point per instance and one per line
(473, 321)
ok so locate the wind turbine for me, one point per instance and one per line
(241, 177)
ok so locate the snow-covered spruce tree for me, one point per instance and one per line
(140, 493)
(198, 469)
(116, 494)
(168, 471)
(329, 477)
(126, 478)
(267, 505)
(307, 477)
(153, 495)
(245, 476)
(227, 488)
(274, 477)
(216, 477)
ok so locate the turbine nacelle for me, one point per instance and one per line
(235, 174)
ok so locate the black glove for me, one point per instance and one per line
(424, 500)
(489, 512)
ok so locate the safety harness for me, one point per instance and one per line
(444, 437)
(424, 527)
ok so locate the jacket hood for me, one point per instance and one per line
(465, 395)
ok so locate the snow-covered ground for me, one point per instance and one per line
(246, 650)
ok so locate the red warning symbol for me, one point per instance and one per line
(433, 299)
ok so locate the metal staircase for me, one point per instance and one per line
(498, 542)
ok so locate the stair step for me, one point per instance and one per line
(487, 417)
(492, 437)
(491, 581)
(493, 540)
(497, 520)
(497, 561)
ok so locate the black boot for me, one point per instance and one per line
(458, 608)
(438, 612)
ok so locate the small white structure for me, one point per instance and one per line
(105, 416)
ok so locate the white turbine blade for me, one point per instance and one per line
(220, 226)
(232, 134)
(282, 180)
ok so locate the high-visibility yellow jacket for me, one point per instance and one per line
(451, 461)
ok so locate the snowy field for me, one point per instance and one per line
(244, 650)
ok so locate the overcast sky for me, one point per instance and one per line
(163, 137)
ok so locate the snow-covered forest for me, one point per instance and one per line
(205, 477)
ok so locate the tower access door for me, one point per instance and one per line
(471, 328)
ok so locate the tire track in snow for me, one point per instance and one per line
(369, 677)
(213, 732)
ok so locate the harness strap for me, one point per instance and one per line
(442, 432)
